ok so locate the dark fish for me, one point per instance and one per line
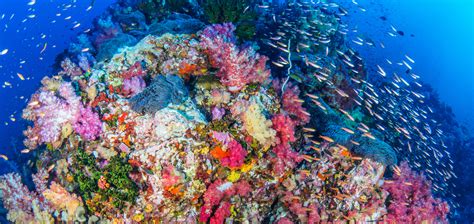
(401, 33)
(383, 18)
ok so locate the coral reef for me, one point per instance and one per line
(170, 123)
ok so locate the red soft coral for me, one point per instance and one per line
(293, 105)
(217, 192)
(237, 67)
(284, 127)
(291, 102)
(412, 201)
(236, 155)
(221, 213)
(135, 70)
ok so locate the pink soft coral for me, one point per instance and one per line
(70, 68)
(221, 213)
(237, 67)
(292, 104)
(412, 201)
(169, 178)
(212, 197)
(217, 192)
(50, 111)
(309, 214)
(284, 127)
(285, 156)
(236, 155)
(19, 201)
(133, 85)
(88, 124)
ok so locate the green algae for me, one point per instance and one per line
(87, 174)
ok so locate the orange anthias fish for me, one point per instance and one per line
(345, 153)
(322, 177)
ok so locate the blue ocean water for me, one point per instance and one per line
(25, 31)
(442, 45)
(438, 35)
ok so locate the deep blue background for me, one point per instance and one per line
(442, 46)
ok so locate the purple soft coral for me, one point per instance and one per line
(88, 124)
(217, 113)
(50, 113)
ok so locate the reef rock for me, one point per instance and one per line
(162, 91)
(110, 47)
(176, 24)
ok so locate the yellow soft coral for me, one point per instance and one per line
(258, 126)
(62, 200)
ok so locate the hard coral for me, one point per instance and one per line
(236, 67)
